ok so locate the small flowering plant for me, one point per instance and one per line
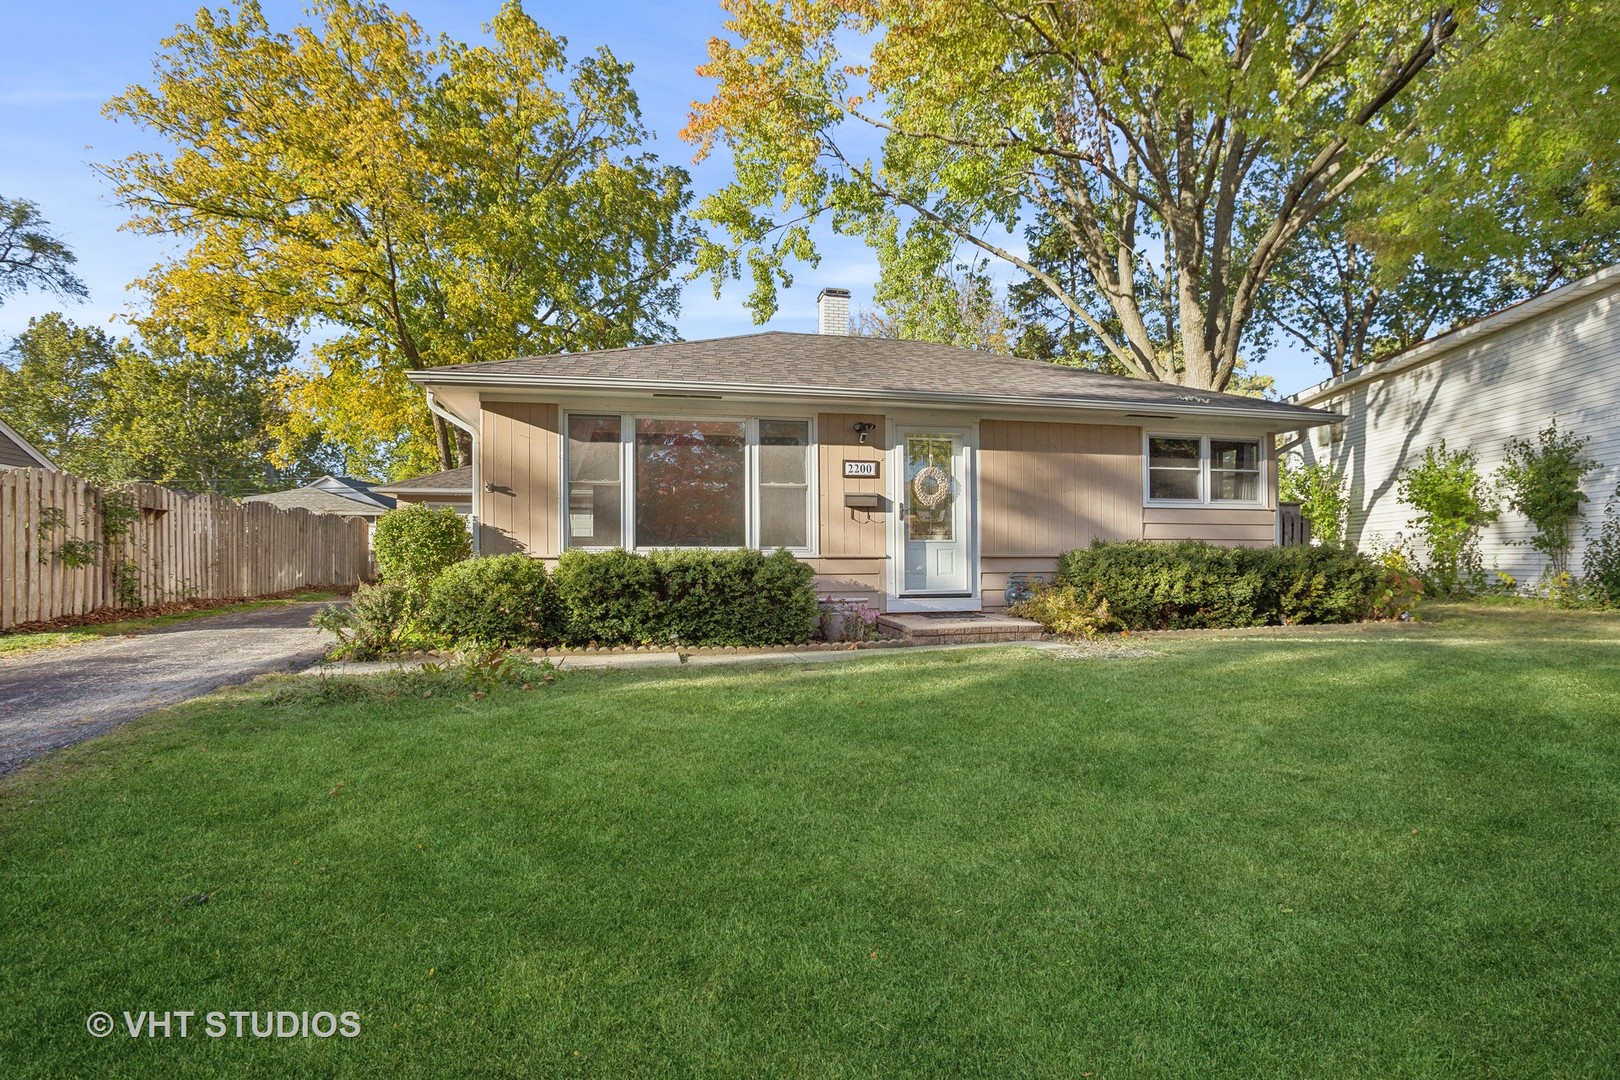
(844, 619)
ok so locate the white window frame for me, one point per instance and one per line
(1204, 467)
(627, 476)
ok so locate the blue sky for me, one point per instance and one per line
(65, 59)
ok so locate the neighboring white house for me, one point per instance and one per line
(1503, 377)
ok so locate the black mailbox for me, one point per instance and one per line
(860, 500)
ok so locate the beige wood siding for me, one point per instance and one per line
(522, 460)
(1047, 488)
(1231, 527)
(853, 543)
(862, 578)
(995, 572)
(846, 532)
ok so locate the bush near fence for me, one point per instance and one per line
(70, 548)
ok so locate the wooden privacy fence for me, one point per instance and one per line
(69, 548)
(1292, 527)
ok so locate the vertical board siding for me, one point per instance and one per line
(1478, 395)
(1047, 488)
(521, 460)
(847, 533)
(182, 547)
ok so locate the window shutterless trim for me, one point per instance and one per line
(1204, 470)
(627, 476)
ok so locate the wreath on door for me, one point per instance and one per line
(931, 486)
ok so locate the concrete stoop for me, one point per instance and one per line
(959, 627)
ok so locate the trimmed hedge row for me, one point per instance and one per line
(620, 598)
(1191, 584)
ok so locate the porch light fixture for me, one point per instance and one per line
(863, 429)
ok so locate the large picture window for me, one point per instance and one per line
(1204, 470)
(691, 483)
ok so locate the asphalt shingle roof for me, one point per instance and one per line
(778, 362)
(449, 480)
(319, 501)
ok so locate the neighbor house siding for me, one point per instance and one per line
(522, 463)
(1047, 488)
(13, 456)
(1477, 396)
(853, 542)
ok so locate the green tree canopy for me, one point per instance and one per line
(198, 421)
(956, 307)
(414, 204)
(156, 409)
(1180, 147)
(1165, 157)
(30, 256)
(53, 391)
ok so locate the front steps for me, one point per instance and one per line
(958, 627)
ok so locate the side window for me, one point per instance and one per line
(1174, 468)
(595, 465)
(784, 484)
(1234, 470)
(1205, 470)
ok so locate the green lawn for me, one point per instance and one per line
(1390, 853)
(15, 644)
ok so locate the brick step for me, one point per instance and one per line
(959, 627)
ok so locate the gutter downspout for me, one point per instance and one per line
(451, 418)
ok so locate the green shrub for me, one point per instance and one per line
(1542, 481)
(1319, 490)
(506, 600)
(1602, 562)
(609, 598)
(735, 597)
(1060, 609)
(1452, 504)
(371, 626)
(694, 597)
(1191, 584)
(414, 545)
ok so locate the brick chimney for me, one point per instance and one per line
(833, 306)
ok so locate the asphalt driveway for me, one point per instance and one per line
(64, 695)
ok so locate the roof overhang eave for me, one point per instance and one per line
(1281, 417)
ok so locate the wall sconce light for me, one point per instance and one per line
(863, 429)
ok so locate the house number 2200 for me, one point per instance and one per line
(863, 470)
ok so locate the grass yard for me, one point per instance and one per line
(1336, 854)
(15, 644)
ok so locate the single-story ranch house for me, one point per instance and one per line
(1503, 377)
(915, 476)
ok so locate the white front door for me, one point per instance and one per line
(936, 512)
